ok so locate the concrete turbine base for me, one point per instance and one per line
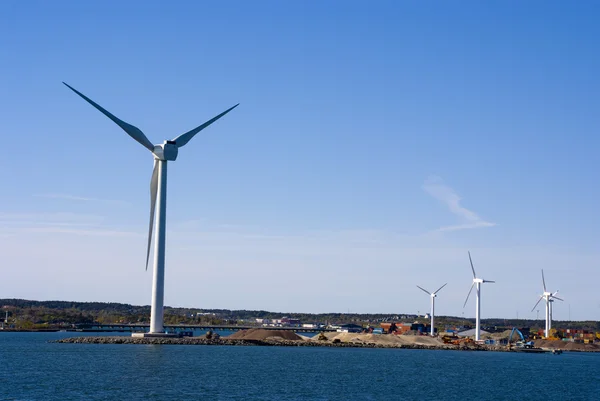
(155, 335)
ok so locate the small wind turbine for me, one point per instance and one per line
(432, 295)
(476, 283)
(549, 297)
(162, 153)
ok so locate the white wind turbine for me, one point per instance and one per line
(476, 283)
(548, 297)
(162, 153)
(432, 295)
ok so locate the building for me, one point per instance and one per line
(350, 328)
(288, 321)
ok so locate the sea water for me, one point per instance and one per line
(32, 368)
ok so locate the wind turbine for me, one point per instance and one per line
(162, 153)
(432, 295)
(476, 283)
(549, 297)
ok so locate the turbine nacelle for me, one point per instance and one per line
(478, 280)
(166, 151)
(431, 294)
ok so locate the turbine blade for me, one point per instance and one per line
(560, 299)
(438, 290)
(131, 130)
(472, 268)
(472, 285)
(488, 281)
(182, 139)
(543, 280)
(536, 304)
(153, 191)
(424, 290)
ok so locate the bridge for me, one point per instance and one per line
(141, 328)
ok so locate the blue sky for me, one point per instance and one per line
(374, 145)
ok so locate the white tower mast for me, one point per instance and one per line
(547, 326)
(550, 321)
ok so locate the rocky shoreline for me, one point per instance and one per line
(244, 342)
(280, 342)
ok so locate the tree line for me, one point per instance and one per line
(28, 314)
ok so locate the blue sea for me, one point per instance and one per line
(31, 368)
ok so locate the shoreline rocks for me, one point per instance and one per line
(247, 342)
(280, 338)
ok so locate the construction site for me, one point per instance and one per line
(511, 339)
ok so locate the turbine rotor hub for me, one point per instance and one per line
(166, 151)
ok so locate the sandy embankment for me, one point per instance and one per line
(335, 337)
(263, 334)
(389, 340)
(567, 345)
(342, 339)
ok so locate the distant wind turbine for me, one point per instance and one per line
(162, 153)
(548, 297)
(432, 295)
(476, 283)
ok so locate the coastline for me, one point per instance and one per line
(247, 342)
(258, 337)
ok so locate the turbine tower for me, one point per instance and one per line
(476, 283)
(162, 153)
(550, 321)
(548, 297)
(432, 295)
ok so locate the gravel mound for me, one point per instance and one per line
(381, 339)
(566, 345)
(263, 334)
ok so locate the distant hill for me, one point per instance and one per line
(61, 305)
(28, 314)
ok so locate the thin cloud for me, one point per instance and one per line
(62, 218)
(435, 187)
(478, 224)
(12, 224)
(94, 232)
(78, 198)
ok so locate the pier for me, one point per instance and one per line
(144, 327)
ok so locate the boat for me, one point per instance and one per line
(531, 350)
(536, 350)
